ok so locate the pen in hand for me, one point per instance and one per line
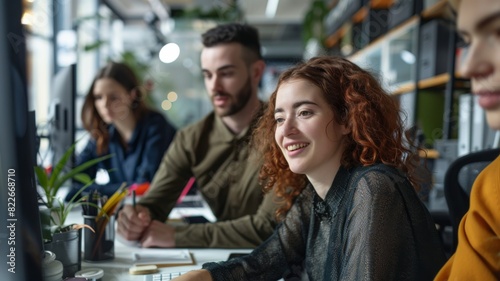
(133, 199)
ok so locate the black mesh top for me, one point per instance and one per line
(371, 226)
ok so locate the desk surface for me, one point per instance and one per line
(117, 269)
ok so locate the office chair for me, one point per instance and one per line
(458, 181)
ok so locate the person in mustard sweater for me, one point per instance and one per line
(477, 256)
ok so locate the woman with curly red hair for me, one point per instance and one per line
(340, 160)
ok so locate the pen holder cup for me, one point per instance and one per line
(99, 245)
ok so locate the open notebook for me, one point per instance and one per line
(162, 257)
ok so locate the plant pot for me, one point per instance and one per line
(99, 244)
(67, 247)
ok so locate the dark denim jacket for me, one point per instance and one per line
(138, 164)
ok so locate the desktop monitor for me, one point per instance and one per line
(62, 134)
(21, 246)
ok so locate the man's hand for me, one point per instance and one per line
(195, 275)
(132, 222)
(158, 234)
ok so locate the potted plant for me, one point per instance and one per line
(62, 239)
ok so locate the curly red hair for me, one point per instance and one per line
(358, 101)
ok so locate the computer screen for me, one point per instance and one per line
(21, 243)
(62, 132)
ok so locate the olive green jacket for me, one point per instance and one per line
(227, 177)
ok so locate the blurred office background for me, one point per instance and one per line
(410, 45)
(159, 38)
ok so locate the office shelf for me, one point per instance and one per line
(334, 38)
(404, 88)
(360, 15)
(386, 56)
(441, 9)
(440, 81)
(381, 4)
(429, 153)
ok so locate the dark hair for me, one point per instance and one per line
(243, 34)
(358, 101)
(91, 119)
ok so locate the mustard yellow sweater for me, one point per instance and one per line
(478, 253)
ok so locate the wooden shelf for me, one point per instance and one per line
(441, 9)
(360, 15)
(413, 20)
(381, 4)
(405, 25)
(438, 81)
(441, 80)
(428, 153)
(372, 53)
(405, 88)
(333, 39)
(375, 4)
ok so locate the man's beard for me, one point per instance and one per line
(240, 100)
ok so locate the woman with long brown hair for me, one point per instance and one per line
(120, 124)
(334, 149)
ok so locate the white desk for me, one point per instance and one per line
(117, 269)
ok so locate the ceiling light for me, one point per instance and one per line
(166, 105)
(408, 57)
(169, 53)
(27, 18)
(271, 8)
(172, 96)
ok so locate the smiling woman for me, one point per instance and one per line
(309, 146)
(340, 161)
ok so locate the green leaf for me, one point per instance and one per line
(51, 185)
(78, 192)
(43, 180)
(83, 178)
(80, 20)
(45, 220)
(58, 169)
(95, 45)
(70, 174)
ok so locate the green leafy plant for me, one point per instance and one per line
(53, 219)
(312, 25)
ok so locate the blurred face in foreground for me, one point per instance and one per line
(479, 25)
(306, 131)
